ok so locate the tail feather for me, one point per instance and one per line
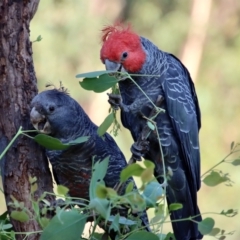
(186, 229)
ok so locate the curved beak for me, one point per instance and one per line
(117, 67)
(112, 66)
(40, 122)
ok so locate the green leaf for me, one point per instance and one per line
(133, 169)
(147, 175)
(101, 191)
(129, 187)
(148, 164)
(102, 206)
(54, 144)
(142, 235)
(232, 145)
(62, 190)
(150, 125)
(65, 225)
(106, 124)
(98, 173)
(215, 231)
(236, 162)
(93, 74)
(44, 221)
(115, 223)
(5, 226)
(229, 212)
(50, 142)
(214, 178)
(78, 140)
(206, 226)
(152, 193)
(100, 84)
(122, 220)
(175, 206)
(20, 216)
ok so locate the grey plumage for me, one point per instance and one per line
(178, 127)
(62, 117)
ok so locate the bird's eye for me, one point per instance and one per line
(124, 55)
(51, 108)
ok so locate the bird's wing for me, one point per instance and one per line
(183, 109)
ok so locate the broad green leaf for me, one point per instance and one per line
(123, 220)
(101, 206)
(215, 231)
(98, 173)
(62, 190)
(78, 140)
(100, 84)
(169, 236)
(129, 187)
(236, 162)
(152, 193)
(101, 191)
(147, 175)
(150, 125)
(65, 225)
(229, 212)
(55, 144)
(93, 74)
(50, 142)
(214, 178)
(206, 226)
(34, 187)
(5, 226)
(44, 221)
(136, 201)
(106, 124)
(175, 206)
(142, 235)
(20, 216)
(148, 164)
(115, 223)
(133, 169)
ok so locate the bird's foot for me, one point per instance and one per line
(115, 100)
(139, 148)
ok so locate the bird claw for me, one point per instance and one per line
(115, 100)
(139, 148)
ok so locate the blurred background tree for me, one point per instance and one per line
(205, 35)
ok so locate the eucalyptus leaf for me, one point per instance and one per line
(102, 206)
(20, 216)
(142, 235)
(175, 206)
(106, 124)
(215, 178)
(152, 193)
(206, 226)
(100, 84)
(93, 74)
(236, 162)
(98, 173)
(62, 190)
(65, 225)
(133, 169)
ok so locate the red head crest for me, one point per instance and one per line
(117, 40)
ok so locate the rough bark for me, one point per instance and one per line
(18, 85)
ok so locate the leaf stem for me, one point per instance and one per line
(223, 160)
(11, 142)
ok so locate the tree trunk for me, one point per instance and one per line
(18, 85)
